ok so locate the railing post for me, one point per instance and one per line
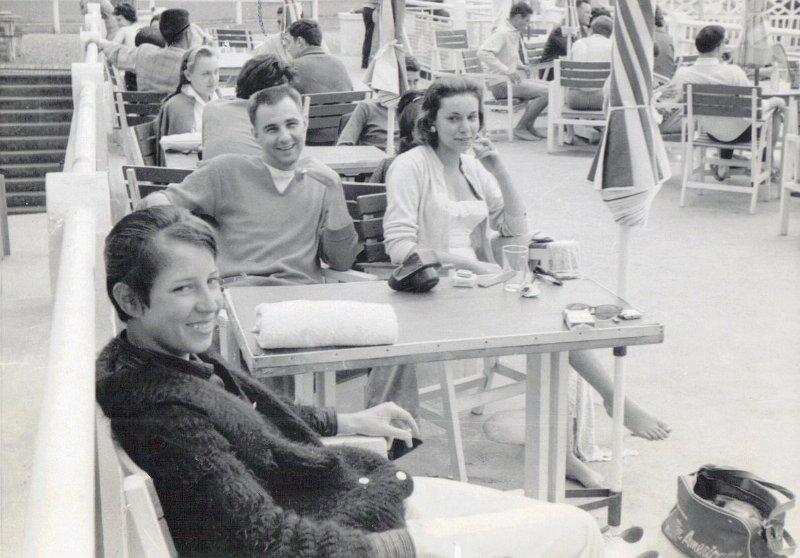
(238, 11)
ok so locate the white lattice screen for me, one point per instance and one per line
(733, 10)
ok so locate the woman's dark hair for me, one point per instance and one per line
(308, 29)
(133, 250)
(261, 72)
(127, 11)
(189, 60)
(441, 89)
(709, 38)
(408, 110)
(150, 36)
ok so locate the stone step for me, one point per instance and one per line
(25, 202)
(26, 157)
(35, 103)
(31, 143)
(17, 129)
(29, 170)
(27, 184)
(41, 115)
(57, 76)
(35, 90)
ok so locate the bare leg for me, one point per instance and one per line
(637, 420)
(532, 111)
(577, 469)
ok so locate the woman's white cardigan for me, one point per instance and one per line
(417, 212)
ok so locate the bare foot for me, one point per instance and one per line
(581, 472)
(537, 133)
(525, 135)
(640, 422)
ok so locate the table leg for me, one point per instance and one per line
(452, 424)
(537, 418)
(559, 417)
(304, 389)
(326, 389)
(618, 419)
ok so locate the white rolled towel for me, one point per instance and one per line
(322, 323)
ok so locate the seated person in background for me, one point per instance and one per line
(710, 69)
(664, 63)
(157, 69)
(145, 35)
(504, 53)
(182, 111)
(278, 215)
(274, 43)
(127, 23)
(594, 48)
(407, 112)
(226, 124)
(315, 70)
(368, 122)
(240, 471)
(556, 44)
(445, 195)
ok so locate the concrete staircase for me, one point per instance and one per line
(35, 115)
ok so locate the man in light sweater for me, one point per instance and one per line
(278, 215)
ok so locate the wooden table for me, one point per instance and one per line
(448, 323)
(347, 160)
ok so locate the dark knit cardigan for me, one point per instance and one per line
(242, 472)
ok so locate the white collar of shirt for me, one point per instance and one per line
(281, 178)
(707, 61)
(199, 104)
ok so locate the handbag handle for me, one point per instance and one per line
(776, 543)
(734, 477)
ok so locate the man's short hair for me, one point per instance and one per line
(261, 72)
(127, 11)
(603, 25)
(149, 35)
(521, 9)
(579, 2)
(308, 29)
(271, 96)
(709, 38)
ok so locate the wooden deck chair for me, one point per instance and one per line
(790, 176)
(473, 68)
(145, 144)
(446, 54)
(535, 51)
(366, 203)
(139, 106)
(144, 180)
(324, 112)
(725, 101)
(235, 39)
(586, 75)
(131, 518)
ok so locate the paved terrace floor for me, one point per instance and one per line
(726, 378)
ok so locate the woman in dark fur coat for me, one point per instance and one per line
(240, 471)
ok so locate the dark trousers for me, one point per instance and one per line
(728, 153)
(369, 28)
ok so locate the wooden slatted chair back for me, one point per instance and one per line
(324, 112)
(471, 62)
(723, 101)
(367, 205)
(239, 39)
(146, 140)
(452, 39)
(586, 75)
(140, 106)
(131, 516)
(144, 180)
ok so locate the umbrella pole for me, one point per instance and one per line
(618, 429)
(390, 131)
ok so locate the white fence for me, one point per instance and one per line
(61, 513)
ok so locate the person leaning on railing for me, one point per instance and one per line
(240, 471)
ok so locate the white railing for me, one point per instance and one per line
(60, 520)
(84, 158)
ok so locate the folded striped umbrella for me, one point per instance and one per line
(755, 50)
(631, 162)
(572, 26)
(386, 74)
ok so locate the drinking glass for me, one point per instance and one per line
(515, 258)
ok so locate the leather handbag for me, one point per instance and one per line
(729, 513)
